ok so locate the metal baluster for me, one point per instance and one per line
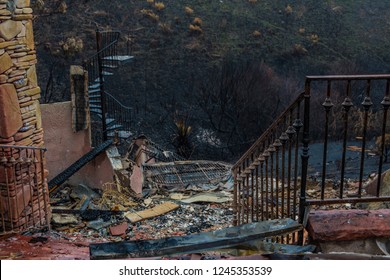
(266, 155)
(347, 104)
(367, 103)
(283, 138)
(272, 150)
(262, 159)
(327, 106)
(277, 145)
(385, 104)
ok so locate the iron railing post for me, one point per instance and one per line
(101, 84)
(304, 156)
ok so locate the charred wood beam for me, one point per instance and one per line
(194, 243)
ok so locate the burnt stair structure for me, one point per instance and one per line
(109, 112)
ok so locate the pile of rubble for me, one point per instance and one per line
(110, 215)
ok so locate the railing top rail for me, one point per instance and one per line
(270, 128)
(101, 51)
(117, 101)
(22, 147)
(349, 77)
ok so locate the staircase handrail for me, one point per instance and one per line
(265, 134)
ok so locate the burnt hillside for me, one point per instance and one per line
(211, 73)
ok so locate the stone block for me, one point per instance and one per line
(3, 78)
(22, 17)
(371, 187)
(27, 58)
(32, 76)
(22, 135)
(14, 206)
(31, 92)
(22, 3)
(38, 114)
(10, 116)
(5, 63)
(343, 225)
(10, 28)
(30, 36)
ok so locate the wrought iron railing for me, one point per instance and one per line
(118, 111)
(23, 189)
(271, 180)
(98, 66)
(266, 176)
(104, 57)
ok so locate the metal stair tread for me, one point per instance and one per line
(120, 58)
(96, 110)
(94, 96)
(94, 90)
(94, 86)
(114, 126)
(108, 66)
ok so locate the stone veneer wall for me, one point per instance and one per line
(20, 116)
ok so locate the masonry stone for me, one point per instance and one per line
(5, 62)
(10, 28)
(10, 116)
(32, 76)
(22, 3)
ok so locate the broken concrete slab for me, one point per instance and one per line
(150, 213)
(64, 219)
(194, 243)
(178, 196)
(114, 157)
(219, 197)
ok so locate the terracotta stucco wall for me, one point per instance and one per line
(65, 147)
